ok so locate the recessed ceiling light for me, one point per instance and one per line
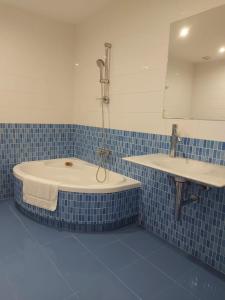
(76, 64)
(222, 50)
(184, 32)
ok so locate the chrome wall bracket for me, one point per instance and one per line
(181, 186)
(104, 99)
(180, 182)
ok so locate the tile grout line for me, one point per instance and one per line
(99, 260)
(114, 242)
(55, 240)
(68, 234)
(73, 235)
(102, 246)
(71, 295)
(42, 251)
(57, 270)
(156, 267)
(118, 239)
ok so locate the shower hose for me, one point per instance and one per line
(102, 155)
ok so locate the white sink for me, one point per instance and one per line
(193, 170)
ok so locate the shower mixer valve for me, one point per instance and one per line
(103, 152)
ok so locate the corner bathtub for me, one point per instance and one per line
(83, 203)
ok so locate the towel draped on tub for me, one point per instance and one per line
(43, 195)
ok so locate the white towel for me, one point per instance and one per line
(40, 194)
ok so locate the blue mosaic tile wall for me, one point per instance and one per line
(84, 212)
(23, 142)
(201, 230)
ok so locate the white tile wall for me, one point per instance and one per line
(39, 82)
(36, 68)
(139, 32)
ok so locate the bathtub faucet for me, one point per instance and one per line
(103, 152)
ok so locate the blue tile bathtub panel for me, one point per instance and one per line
(201, 231)
(85, 212)
(24, 142)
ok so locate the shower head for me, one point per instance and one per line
(101, 65)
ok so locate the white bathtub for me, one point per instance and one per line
(79, 177)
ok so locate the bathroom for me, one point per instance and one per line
(112, 169)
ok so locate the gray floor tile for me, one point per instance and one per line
(41, 233)
(72, 297)
(116, 255)
(77, 265)
(106, 287)
(171, 261)
(32, 276)
(144, 279)
(175, 293)
(62, 265)
(127, 229)
(13, 235)
(6, 293)
(141, 241)
(94, 241)
(203, 284)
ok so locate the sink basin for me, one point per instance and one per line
(192, 170)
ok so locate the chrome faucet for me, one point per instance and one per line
(173, 141)
(103, 152)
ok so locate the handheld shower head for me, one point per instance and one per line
(101, 65)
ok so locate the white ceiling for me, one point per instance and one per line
(70, 11)
(206, 36)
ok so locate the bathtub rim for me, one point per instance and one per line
(91, 189)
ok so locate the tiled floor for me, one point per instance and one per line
(37, 262)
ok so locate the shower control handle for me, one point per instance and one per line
(104, 99)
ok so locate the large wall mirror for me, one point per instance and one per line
(195, 81)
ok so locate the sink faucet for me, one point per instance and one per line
(173, 142)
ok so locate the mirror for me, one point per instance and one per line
(195, 81)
